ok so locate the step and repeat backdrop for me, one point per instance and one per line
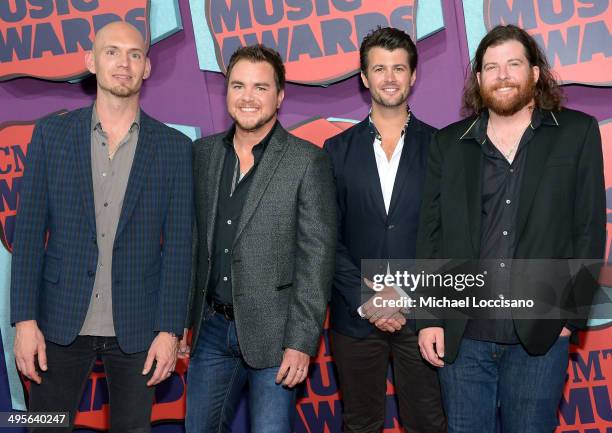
(42, 71)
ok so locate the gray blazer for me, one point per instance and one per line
(283, 255)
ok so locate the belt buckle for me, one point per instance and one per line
(228, 313)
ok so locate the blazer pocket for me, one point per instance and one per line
(284, 286)
(52, 269)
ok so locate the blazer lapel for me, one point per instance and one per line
(472, 155)
(262, 176)
(213, 179)
(371, 172)
(142, 159)
(407, 159)
(82, 140)
(365, 144)
(537, 153)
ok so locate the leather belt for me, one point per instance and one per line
(226, 309)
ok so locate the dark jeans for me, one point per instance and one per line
(362, 369)
(487, 376)
(216, 380)
(65, 379)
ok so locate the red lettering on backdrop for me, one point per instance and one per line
(317, 39)
(14, 140)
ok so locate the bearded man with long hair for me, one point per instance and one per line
(520, 179)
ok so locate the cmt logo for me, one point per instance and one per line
(317, 39)
(46, 39)
(14, 140)
(575, 34)
(586, 404)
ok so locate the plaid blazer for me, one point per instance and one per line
(53, 284)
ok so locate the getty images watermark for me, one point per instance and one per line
(484, 289)
(402, 281)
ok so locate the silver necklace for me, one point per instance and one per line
(509, 155)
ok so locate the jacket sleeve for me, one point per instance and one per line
(347, 276)
(314, 256)
(589, 231)
(429, 238)
(30, 232)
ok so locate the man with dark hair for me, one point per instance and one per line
(520, 179)
(102, 186)
(379, 166)
(264, 256)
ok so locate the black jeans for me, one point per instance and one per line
(362, 372)
(65, 379)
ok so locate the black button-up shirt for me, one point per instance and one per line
(501, 188)
(233, 191)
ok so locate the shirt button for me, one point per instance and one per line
(224, 278)
(97, 295)
(104, 174)
(229, 222)
(226, 251)
(103, 144)
(502, 265)
(505, 233)
(511, 170)
(508, 201)
(105, 204)
(103, 235)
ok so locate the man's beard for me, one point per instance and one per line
(258, 124)
(512, 104)
(122, 91)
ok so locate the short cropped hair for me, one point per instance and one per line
(390, 39)
(259, 53)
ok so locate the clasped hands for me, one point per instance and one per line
(380, 314)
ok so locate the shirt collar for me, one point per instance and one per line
(375, 130)
(228, 139)
(96, 125)
(478, 128)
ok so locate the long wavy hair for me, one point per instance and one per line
(548, 94)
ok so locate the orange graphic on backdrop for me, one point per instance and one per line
(575, 35)
(318, 41)
(48, 43)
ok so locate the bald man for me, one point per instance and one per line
(90, 277)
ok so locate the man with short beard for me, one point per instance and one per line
(379, 167)
(520, 179)
(90, 277)
(263, 257)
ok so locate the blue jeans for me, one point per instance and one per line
(216, 379)
(487, 376)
